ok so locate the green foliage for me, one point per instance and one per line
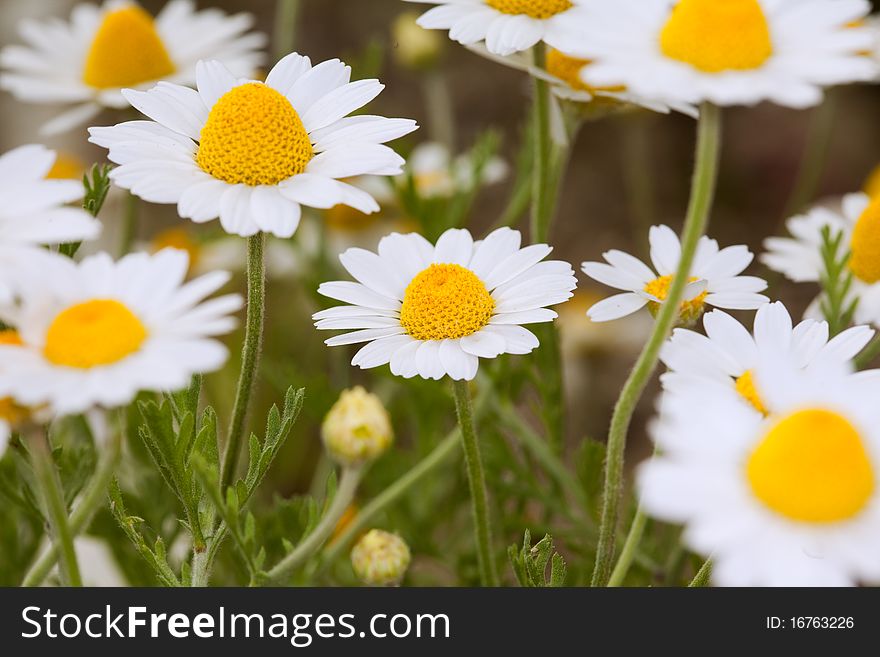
(837, 304)
(530, 563)
(97, 184)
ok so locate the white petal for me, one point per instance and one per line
(616, 307)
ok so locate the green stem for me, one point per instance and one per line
(55, 507)
(815, 155)
(201, 562)
(477, 482)
(348, 484)
(250, 356)
(441, 115)
(628, 553)
(129, 224)
(284, 37)
(542, 195)
(703, 575)
(82, 514)
(868, 354)
(702, 194)
(444, 449)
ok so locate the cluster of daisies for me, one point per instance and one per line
(767, 441)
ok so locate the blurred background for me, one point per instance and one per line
(627, 171)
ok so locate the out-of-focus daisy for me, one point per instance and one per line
(728, 354)
(735, 52)
(86, 62)
(252, 153)
(788, 497)
(33, 212)
(436, 310)
(565, 75)
(872, 183)
(800, 257)
(95, 333)
(715, 279)
(507, 26)
(11, 413)
(436, 174)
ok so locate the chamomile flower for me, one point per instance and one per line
(33, 211)
(435, 311)
(11, 413)
(715, 279)
(86, 62)
(735, 52)
(507, 26)
(728, 354)
(788, 497)
(96, 333)
(252, 153)
(799, 257)
(436, 174)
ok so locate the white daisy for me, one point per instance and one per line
(799, 257)
(252, 153)
(507, 26)
(714, 280)
(10, 412)
(32, 212)
(97, 332)
(728, 354)
(88, 61)
(789, 498)
(565, 75)
(436, 174)
(436, 310)
(736, 52)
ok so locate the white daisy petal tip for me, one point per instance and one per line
(435, 310)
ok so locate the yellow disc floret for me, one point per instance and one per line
(177, 238)
(865, 244)
(812, 466)
(745, 386)
(718, 35)
(445, 302)
(691, 309)
(253, 136)
(535, 8)
(93, 333)
(568, 69)
(126, 51)
(11, 412)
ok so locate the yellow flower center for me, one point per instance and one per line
(718, 35)
(865, 245)
(691, 309)
(872, 184)
(66, 167)
(253, 136)
(127, 51)
(568, 69)
(445, 302)
(93, 333)
(812, 467)
(534, 8)
(745, 386)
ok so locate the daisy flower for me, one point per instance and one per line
(507, 26)
(436, 310)
(98, 332)
(799, 257)
(565, 75)
(86, 62)
(252, 153)
(786, 498)
(436, 174)
(728, 354)
(714, 280)
(33, 211)
(736, 52)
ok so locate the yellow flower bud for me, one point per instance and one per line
(357, 429)
(415, 47)
(380, 558)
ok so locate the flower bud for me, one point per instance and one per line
(380, 558)
(416, 47)
(357, 429)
